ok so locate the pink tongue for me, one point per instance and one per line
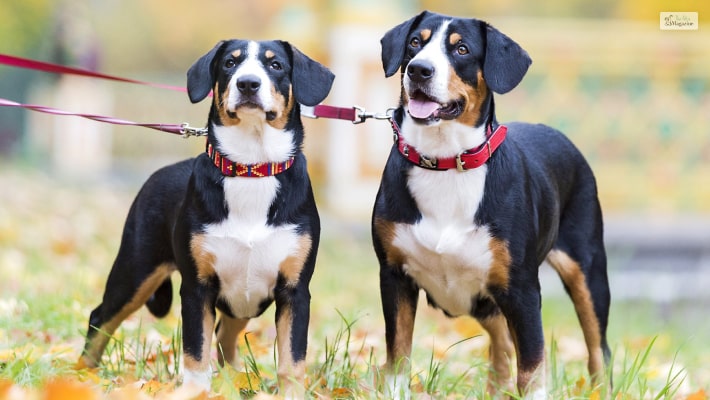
(422, 109)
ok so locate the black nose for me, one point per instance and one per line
(248, 84)
(420, 71)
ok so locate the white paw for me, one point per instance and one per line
(538, 394)
(397, 387)
(198, 379)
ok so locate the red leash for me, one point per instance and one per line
(184, 129)
(26, 63)
(355, 114)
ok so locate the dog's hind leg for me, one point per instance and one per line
(579, 258)
(125, 293)
(228, 329)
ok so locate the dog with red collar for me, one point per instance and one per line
(468, 209)
(239, 222)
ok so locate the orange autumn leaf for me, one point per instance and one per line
(595, 395)
(153, 386)
(5, 387)
(699, 395)
(246, 380)
(341, 393)
(68, 389)
(579, 385)
(468, 327)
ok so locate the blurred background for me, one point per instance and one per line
(635, 98)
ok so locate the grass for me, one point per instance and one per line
(55, 256)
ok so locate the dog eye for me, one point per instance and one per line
(462, 50)
(229, 63)
(276, 66)
(414, 42)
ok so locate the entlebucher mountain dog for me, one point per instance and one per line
(239, 222)
(468, 209)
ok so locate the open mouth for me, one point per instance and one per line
(424, 108)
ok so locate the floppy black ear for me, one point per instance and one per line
(394, 44)
(311, 81)
(506, 62)
(200, 77)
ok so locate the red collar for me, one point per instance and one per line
(258, 170)
(467, 159)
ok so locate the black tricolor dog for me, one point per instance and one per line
(468, 209)
(238, 222)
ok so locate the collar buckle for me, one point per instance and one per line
(460, 164)
(428, 162)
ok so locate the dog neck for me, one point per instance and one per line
(253, 143)
(448, 138)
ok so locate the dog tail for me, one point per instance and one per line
(159, 303)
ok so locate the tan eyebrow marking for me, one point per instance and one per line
(425, 34)
(237, 53)
(454, 38)
(269, 54)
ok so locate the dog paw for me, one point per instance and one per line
(198, 379)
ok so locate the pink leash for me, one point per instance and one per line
(355, 114)
(26, 63)
(183, 129)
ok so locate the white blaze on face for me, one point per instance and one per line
(252, 66)
(434, 54)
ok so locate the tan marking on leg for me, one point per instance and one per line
(229, 329)
(204, 260)
(501, 354)
(571, 274)
(386, 231)
(203, 364)
(91, 357)
(292, 266)
(529, 380)
(473, 96)
(498, 274)
(454, 38)
(425, 34)
(291, 374)
(402, 346)
(532, 381)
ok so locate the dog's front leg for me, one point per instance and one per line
(198, 319)
(292, 316)
(521, 307)
(501, 353)
(399, 303)
(228, 330)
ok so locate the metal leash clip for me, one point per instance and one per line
(186, 131)
(361, 115)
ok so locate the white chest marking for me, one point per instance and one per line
(246, 250)
(446, 253)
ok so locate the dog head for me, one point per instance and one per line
(448, 66)
(262, 81)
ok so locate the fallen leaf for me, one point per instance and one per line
(246, 380)
(342, 393)
(596, 395)
(152, 387)
(579, 385)
(68, 389)
(468, 327)
(699, 395)
(5, 387)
